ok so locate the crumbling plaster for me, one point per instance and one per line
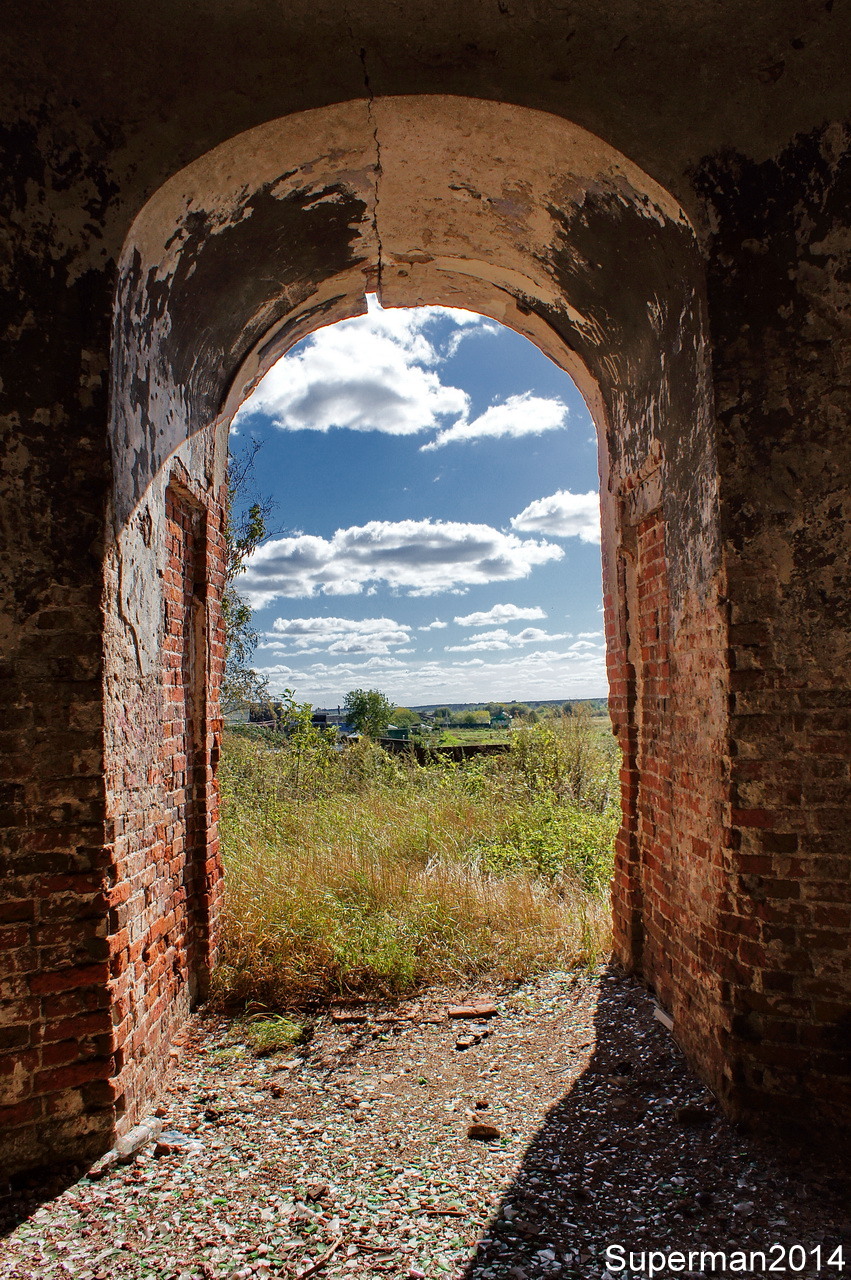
(513, 213)
(548, 150)
(516, 214)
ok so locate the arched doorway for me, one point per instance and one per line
(452, 201)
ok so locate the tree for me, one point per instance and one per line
(245, 529)
(368, 711)
(470, 719)
(404, 718)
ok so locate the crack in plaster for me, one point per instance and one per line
(378, 169)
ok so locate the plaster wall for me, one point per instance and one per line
(191, 190)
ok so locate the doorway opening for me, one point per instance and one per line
(427, 786)
(534, 223)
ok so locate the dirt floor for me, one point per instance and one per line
(351, 1155)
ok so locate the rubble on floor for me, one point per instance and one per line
(569, 1122)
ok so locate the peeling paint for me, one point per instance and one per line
(682, 252)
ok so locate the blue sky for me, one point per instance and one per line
(436, 533)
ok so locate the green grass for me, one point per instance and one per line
(361, 872)
(267, 1035)
(449, 737)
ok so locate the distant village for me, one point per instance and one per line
(424, 724)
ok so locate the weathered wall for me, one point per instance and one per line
(724, 537)
(161, 752)
(327, 205)
(55, 1022)
(780, 291)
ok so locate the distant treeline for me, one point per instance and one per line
(569, 706)
(277, 716)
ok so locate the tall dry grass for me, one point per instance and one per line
(358, 872)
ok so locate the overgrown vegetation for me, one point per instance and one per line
(246, 526)
(354, 871)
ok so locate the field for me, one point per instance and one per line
(450, 737)
(355, 871)
(455, 734)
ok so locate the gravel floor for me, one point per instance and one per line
(351, 1156)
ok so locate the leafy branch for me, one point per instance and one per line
(245, 528)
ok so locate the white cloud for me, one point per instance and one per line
(372, 373)
(488, 640)
(437, 625)
(519, 415)
(535, 635)
(379, 372)
(468, 330)
(537, 673)
(422, 556)
(502, 639)
(336, 635)
(501, 613)
(562, 515)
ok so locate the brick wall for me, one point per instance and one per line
(667, 701)
(109, 919)
(164, 795)
(727, 588)
(780, 299)
(55, 1024)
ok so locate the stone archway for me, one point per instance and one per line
(539, 225)
(726, 569)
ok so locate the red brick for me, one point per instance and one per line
(69, 979)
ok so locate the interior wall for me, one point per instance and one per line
(562, 240)
(779, 286)
(148, 136)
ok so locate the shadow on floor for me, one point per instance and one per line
(637, 1154)
(26, 1193)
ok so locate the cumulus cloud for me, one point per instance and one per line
(501, 613)
(422, 557)
(372, 373)
(562, 515)
(519, 415)
(487, 640)
(535, 635)
(502, 639)
(380, 372)
(336, 635)
(437, 625)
